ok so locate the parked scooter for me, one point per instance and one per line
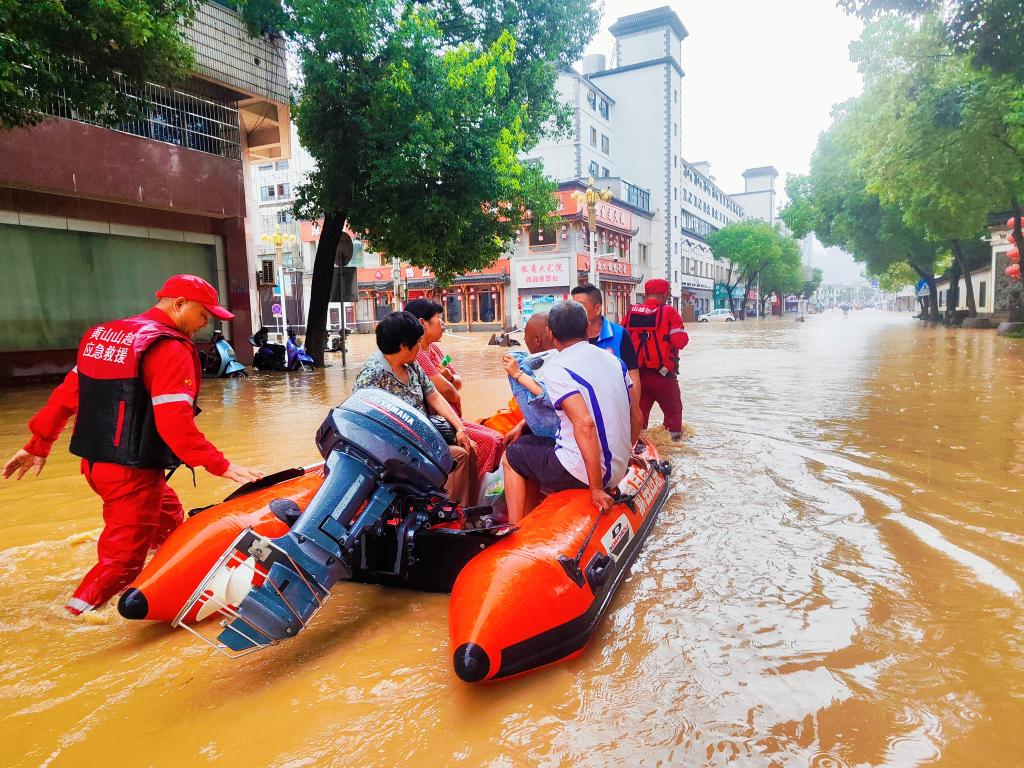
(279, 357)
(220, 362)
(336, 341)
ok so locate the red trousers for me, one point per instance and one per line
(655, 388)
(139, 511)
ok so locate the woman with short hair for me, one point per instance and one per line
(393, 368)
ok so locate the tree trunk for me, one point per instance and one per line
(323, 280)
(972, 307)
(953, 294)
(1017, 306)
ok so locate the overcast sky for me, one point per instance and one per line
(761, 79)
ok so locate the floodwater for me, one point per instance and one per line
(836, 582)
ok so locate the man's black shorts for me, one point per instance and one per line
(533, 457)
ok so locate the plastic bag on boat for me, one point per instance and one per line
(492, 495)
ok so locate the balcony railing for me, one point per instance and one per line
(170, 115)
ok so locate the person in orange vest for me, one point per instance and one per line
(658, 335)
(133, 391)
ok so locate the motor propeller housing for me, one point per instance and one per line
(377, 447)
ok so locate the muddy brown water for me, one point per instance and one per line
(836, 582)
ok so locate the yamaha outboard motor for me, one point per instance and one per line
(377, 448)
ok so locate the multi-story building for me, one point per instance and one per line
(704, 209)
(93, 219)
(626, 125)
(758, 198)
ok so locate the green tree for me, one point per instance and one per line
(991, 32)
(810, 286)
(835, 202)
(939, 145)
(417, 114)
(83, 54)
(756, 250)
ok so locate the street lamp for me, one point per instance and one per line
(590, 198)
(279, 238)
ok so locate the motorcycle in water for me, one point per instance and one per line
(220, 362)
(279, 357)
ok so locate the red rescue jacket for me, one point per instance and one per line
(115, 421)
(658, 335)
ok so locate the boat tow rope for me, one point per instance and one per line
(571, 566)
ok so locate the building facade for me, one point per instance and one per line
(93, 219)
(704, 208)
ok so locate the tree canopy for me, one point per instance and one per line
(417, 114)
(85, 53)
(758, 252)
(990, 32)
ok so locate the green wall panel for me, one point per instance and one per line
(57, 283)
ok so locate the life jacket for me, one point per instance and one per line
(610, 337)
(115, 421)
(649, 327)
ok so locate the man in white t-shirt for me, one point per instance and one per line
(594, 399)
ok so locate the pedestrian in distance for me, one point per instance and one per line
(134, 392)
(658, 334)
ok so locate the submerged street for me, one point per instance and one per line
(836, 581)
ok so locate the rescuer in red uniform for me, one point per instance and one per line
(134, 390)
(658, 334)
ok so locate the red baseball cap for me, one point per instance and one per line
(195, 289)
(657, 285)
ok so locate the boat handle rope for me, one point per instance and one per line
(571, 566)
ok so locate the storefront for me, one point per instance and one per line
(721, 296)
(616, 281)
(473, 302)
(542, 281)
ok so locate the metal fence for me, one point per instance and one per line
(170, 115)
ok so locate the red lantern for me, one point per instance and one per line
(1010, 238)
(1011, 223)
(1013, 272)
(1013, 256)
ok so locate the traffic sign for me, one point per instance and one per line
(276, 310)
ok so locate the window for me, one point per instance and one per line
(604, 171)
(275, 192)
(603, 109)
(593, 136)
(285, 217)
(675, 129)
(281, 165)
(674, 160)
(981, 294)
(675, 95)
(592, 99)
(268, 167)
(674, 191)
(592, 168)
(642, 252)
(605, 144)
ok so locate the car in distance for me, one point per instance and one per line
(716, 315)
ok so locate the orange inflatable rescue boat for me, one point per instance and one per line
(264, 561)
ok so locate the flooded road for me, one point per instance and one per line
(836, 582)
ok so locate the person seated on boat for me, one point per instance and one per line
(446, 380)
(592, 394)
(526, 372)
(393, 368)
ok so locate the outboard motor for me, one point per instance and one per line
(377, 448)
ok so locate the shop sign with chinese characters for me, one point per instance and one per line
(542, 273)
(612, 267)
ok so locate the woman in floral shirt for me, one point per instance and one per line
(393, 368)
